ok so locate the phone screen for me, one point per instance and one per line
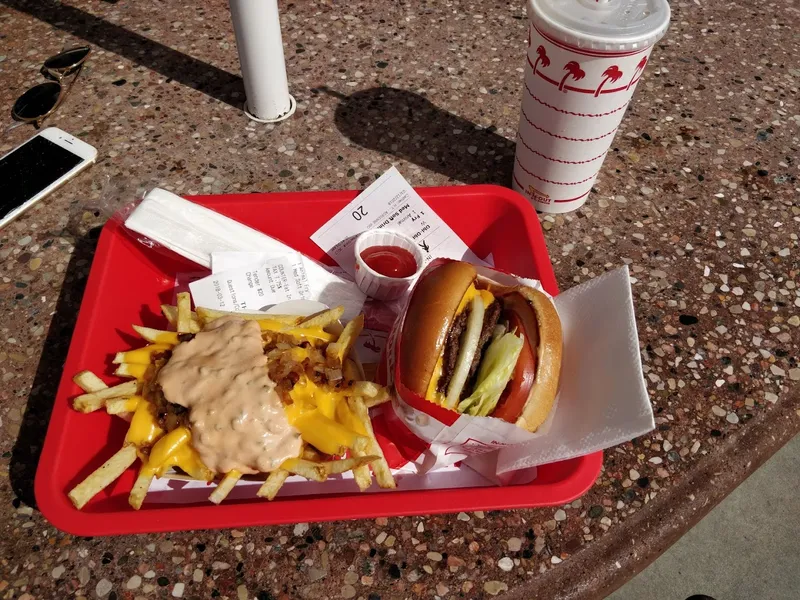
(31, 168)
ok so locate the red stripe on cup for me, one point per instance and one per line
(522, 187)
(573, 199)
(558, 160)
(569, 112)
(569, 139)
(521, 166)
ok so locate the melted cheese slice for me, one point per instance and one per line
(144, 429)
(311, 333)
(175, 450)
(432, 394)
(322, 417)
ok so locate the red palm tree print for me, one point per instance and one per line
(639, 68)
(573, 70)
(541, 58)
(612, 74)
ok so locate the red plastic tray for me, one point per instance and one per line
(128, 282)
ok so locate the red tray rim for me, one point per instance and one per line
(58, 510)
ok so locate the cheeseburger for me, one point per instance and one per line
(480, 348)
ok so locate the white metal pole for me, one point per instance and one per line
(258, 38)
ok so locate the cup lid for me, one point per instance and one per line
(604, 25)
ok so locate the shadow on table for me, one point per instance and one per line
(172, 64)
(28, 447)
(409, 126)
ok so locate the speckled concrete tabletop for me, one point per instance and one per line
(699, 196)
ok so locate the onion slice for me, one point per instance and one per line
(469, 346)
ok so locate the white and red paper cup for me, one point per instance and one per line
(374, 284)
(584, 59)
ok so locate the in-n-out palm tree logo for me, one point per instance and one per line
(573, 70)
(541, 58)
(639, 68)
(612, 74)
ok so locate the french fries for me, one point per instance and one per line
(119, 406)
(285, 324)
(339, 349)
(103, 476)
(323, 318)
(383, 474)
(89, 382)
(304, 468)
(128, 370)
(156, 336)
(96, 400)
(270, 488)
(139, 490)
(225, 486)
(325, 433)
(171, 314)
(333, 467)
(311, 453)
(184, 320)
(140, 356)
(329, 408)
(372, 393)
(319, 471)
(361, 473)
(351, 371)
(206, 315)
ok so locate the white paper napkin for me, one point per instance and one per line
(602, 399)
(195, 232)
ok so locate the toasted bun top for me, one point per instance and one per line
(430, 314)
(548, 357)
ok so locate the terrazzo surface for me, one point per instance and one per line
(699, 196)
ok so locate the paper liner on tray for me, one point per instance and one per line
(602, 399)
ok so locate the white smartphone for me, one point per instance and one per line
(39, 166)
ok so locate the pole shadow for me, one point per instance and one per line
(406, 125)
(172, 64)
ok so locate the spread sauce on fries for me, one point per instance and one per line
(237, 417)
(230, 394)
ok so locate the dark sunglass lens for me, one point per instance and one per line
(37, 101)
(66, 59)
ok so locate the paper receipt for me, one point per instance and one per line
(390, 202)
(250, 288)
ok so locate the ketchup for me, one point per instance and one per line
(390, 261)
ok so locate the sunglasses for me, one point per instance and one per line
(42, 100)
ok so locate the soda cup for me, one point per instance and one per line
(584, 59)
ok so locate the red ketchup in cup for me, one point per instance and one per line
(386, 263)
(390, 261)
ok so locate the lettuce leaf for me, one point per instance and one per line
(494, 374)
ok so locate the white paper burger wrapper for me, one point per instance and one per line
(602, 399)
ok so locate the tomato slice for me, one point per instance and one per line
(512, 402)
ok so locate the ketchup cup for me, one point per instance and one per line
(387, 263)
